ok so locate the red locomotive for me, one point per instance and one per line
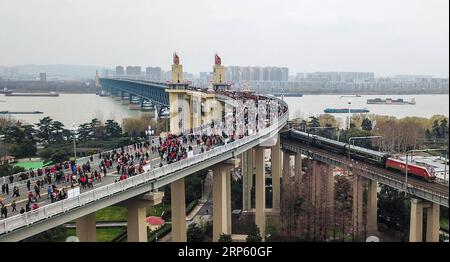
(419, 171)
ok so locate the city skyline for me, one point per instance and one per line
(301, 35)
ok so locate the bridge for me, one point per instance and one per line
(192, 111)
(367, 176)
(252, 124)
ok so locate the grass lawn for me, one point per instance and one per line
(30, 164)
(118, 213)
(444, 223)
(157, 210)
(112, 213)
(105, 234)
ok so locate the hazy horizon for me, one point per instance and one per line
(384, 37)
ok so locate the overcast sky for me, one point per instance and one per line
(384, 36)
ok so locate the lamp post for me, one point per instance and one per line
(74, 129)
(362, 137)
(348, 122)
(326, 127)
(149, 132)
(423, 150)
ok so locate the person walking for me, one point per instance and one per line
(14, 206)
(49, 191)
(7, 189)
(28, 184)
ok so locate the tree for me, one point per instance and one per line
(7, 169)
(96, 129)
(393, 209)
(313, 122)
(112, 129)
(84, 132)
(195, 233)
(44, 131)
(366, 124)
(225, 238)
(21, 140)
(254, 234)
(57, 131)
(133, 126)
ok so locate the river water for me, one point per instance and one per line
(81, 108)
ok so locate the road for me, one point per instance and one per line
(110, 178)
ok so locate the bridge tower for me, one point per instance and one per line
(219, 75)
(179, 108)
(179, 112)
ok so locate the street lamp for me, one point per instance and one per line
(74, 129)
(423, 150)
(362, 137)
(348, 122)
(149, 132)
(325, 127)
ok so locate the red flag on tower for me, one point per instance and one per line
(217, 60)
(176, 59)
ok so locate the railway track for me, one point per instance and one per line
(437, 188)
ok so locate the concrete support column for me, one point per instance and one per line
(228, 200)
(329, 176)
(357, 192)
(416, 221)
(286, 167)
(178, 211)
(87, 228)
(260, 188)
(372, 225)
(136, 223)
(298, 165)
(433, 225)
(247, 182)
(276, 174)
(221, 201)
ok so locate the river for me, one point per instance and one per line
(81, 108)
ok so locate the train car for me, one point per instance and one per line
(368, 155)
(427, 174)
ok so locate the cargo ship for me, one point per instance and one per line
(390, 101)
(346, 110)
(288, 94)
(51, 94)
(20, 113)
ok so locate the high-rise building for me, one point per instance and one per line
(42, 76)
(344, 77)
(134, 70)
(120, 71)
(246, 73)
(257, 73)
(284, 74)
(266, 74)
(153, 73)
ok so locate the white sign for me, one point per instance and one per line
(190, 153)
(147, 168)
(73, 192)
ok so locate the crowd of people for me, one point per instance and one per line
(131, 160)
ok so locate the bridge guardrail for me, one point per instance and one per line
(381, 178)
(84, 159)
(21, 220)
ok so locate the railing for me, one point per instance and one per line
(84, 159)
(28, 218)
(372, 174)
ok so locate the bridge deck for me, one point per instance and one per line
(434, 192)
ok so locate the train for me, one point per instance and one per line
(373, 157)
